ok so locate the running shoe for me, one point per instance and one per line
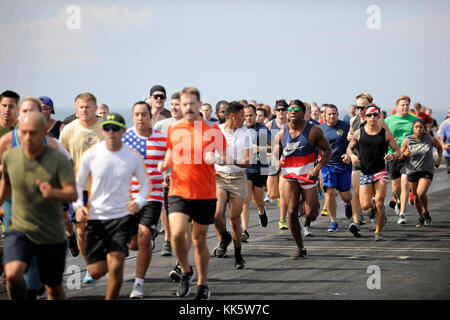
(401, 219)
(239, 262)
(263, 219)
(427, 217)
(203, 293)
(267, 198)
(354, 229)
(333, 227)
(221, 250)
(348, 210)
(167, 249)
(378, 236)
(372, 212)
(73, 245)
(278, 202)
(245, 236)
(420, 222)
(175, 274)
(183, 289)
(282, 225)
(137, 292)
(87, 278)
(307, 231)
(299, 254)
(362, 220)
(397, 208)
(393, 202)
(324, 212)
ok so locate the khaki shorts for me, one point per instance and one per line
(233, 183)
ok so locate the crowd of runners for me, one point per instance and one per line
(100, 187)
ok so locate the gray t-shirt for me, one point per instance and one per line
(421, 158)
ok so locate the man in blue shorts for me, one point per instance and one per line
(337, 173)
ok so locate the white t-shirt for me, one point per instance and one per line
(111, 173)
(237, 142)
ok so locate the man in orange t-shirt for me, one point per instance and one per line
(191, 146)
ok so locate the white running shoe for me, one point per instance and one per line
(401, 219)
(137, 292)
(307, 231)
(267, 198)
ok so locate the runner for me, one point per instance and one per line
(417, 149)
(445, 141)
(151, 144)
(220, 110)
(256, 175)
(275, 182)
(102, 110)
(53, 126)
(11, 140)
(157, 100)
(372, 141)
(76, 137)
(111, 165)
(298, 141)
(9, 108)
(400, 125)
(163, 126)
(338, 171)
(192, 193)
(37, 227)
(206, 112)
(362, 101)
(231, 182)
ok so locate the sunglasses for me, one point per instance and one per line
(281, 109)
(112, 127)
(296, 109)
(159, 96)
(360, 108)
(371, 115)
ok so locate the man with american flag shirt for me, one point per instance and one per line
(151, 144)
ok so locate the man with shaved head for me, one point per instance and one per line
(43, 179)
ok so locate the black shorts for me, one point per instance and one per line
(51, 258)
(148, 216)
(416, 176)
(259, 180)
(396, 168)
(200, 210)
(104, 236)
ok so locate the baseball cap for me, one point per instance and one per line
(114, 118)
(157, 88)
(47, 101)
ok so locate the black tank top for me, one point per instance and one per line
(372, 150)
(55, 129)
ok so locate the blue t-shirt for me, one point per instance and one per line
(446, 137)
(261, 137)
(337, 136)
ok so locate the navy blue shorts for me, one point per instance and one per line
(337, 177)
(51, 258)
(72, 212)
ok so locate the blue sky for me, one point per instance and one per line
(229, 49)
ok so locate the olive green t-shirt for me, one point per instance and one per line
(4, 131)
(38, 218)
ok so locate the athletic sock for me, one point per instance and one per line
(139, 282)
(237, 251)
